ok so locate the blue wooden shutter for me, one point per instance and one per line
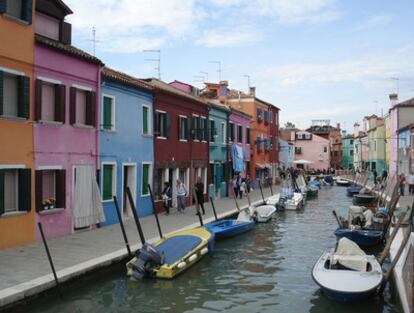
(266, 116)
(259, 144)
(23, 109)
(25, 189)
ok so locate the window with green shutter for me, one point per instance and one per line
(108, 181)
(145, 179)
(108, 122)
(145, 120)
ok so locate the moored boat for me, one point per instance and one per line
(312, 191)
(295, 202)
(263, 213)
(347, 274)
(363, 199)
(353, 190)
(342, 182)
(362, 237)
(231, 227)
(171, 255)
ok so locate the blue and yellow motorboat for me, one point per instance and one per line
(171, 255)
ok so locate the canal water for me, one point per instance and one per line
(266, 270)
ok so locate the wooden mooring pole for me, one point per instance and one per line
(121, 223)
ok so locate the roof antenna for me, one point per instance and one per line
(94, 41)
(158, 60)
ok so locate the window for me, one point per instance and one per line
(15, 190)
(231, 132)
(325, 149)
(204, 131)
(146, 121)
(161, 124)
(108, 181)
(270, 143)
(223, 133)
(49, 100)
(351, 152)
(212, 131)
(212, 173)
(21, 9)
(248, 135)
(50, 189)
(266, 144)
(14, 95)
(239, 134)
(47, 26)
(146, 178)
(375, 145)
(298, 150)
(108, 113)
(335, 153)
(266, 116)
(183, 128)
(351, 142)
(82, 107)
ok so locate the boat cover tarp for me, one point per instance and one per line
(349, 255)
(176, 247)
(355, 211)
(244, 216)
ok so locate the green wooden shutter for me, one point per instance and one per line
(145, 116)
(1, 192)
(39, 191)
(187, 128)
(145, 178)
(25, 189)
(107, 182)
(1, 91)
(107, 113)
(27, 8)
(3, 6)
(23, 109)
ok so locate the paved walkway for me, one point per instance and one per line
(25, 271)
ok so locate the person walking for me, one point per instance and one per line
(410, 181)
(384, 175)
(181, 194)
(375, 174)
(242, 187)
(248, 183)
(235, 182)
(199, 188)
(402, 184)
(167, 197)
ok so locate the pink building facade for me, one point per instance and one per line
(65, 131)
(312, 148)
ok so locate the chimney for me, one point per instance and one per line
(252, 91)
(223, 88)
(356, 129)
(393, 99)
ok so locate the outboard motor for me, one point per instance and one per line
(148, 258)
(281, 204)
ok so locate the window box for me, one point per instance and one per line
(50, 189)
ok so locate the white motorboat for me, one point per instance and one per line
(347, 274)
(263, 213)
(296, 202)
(273, 200)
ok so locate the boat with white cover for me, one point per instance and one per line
(263, 213)
(295, 202)
(347, 274)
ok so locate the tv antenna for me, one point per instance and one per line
(206, 75)
(219, 67)
(248, 82)
(158, 60)
(94, 40)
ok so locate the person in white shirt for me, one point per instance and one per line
(181, 194)
(410, 181)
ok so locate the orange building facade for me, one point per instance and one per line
(16, 136)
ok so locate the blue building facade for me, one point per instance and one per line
(125, 144)
(219, 169)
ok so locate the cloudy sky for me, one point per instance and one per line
(314, 59)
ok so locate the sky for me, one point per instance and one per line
(314, 59)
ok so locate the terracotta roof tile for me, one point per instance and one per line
(68, 49)
(125, 78)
